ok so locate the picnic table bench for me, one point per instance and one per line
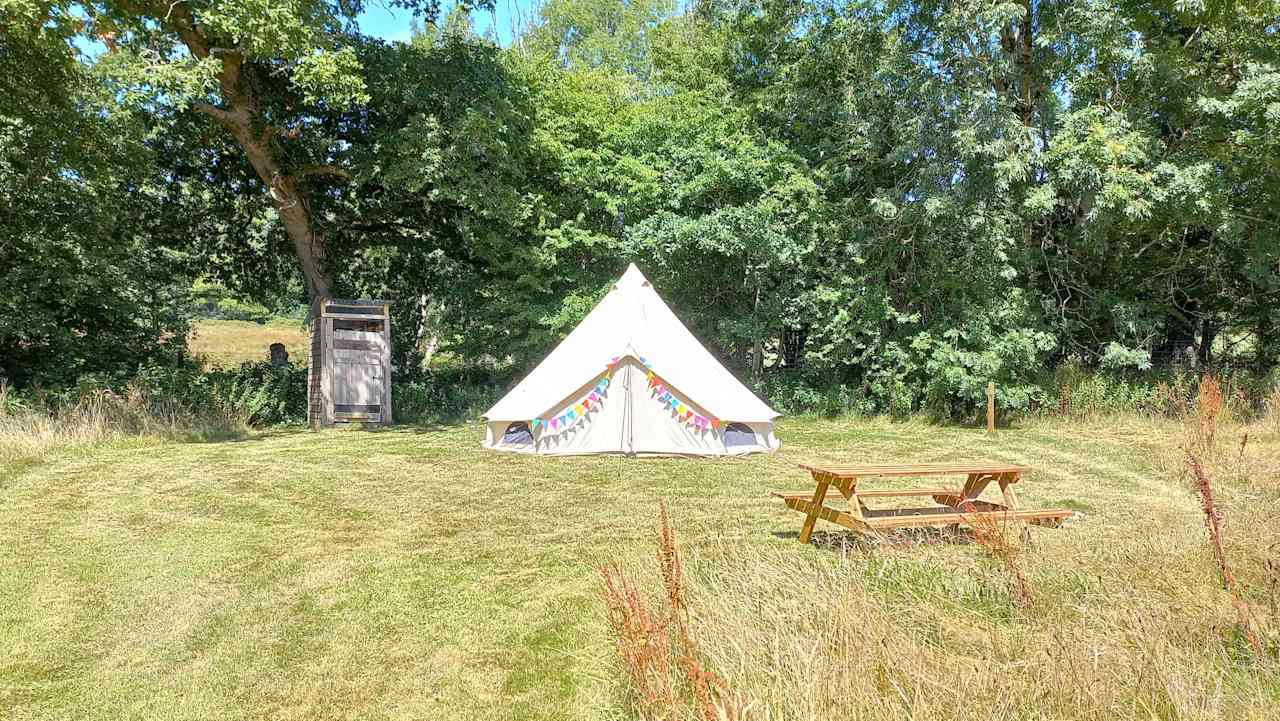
(955, 505)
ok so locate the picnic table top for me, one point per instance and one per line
(911, 469)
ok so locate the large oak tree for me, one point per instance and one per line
(262, 71)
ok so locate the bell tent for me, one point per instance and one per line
(630, 379)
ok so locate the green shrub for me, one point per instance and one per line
(795, 394)
(1084, 392)
(262, 394)
(442, 400)
(257, 394)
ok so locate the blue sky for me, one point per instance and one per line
(394, 23)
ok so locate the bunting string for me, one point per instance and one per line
(683, 413)
(579, 411)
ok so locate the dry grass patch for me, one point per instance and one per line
(228, 343)
(30, 435)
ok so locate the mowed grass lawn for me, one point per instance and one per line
(406, 573)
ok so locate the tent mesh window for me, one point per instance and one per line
(518, 433)
(739, 434)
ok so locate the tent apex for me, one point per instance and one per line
(632, 277)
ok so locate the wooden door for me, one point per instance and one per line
(359, 377)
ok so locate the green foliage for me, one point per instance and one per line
(857, 206)
(86, 287)
(331, 77)
(594, 34)
(443, 399)
(257, 394)
(801, 393)
(261, 394)
(214, 301)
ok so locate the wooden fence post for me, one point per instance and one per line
(991, 407)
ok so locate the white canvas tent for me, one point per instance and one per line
(631, 379)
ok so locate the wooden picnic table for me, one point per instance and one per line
(955, 505)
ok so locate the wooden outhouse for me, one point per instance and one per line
(349, 369)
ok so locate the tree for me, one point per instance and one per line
(599, 33)
(88, 290)
(260, 70)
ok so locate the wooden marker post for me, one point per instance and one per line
(991, 407)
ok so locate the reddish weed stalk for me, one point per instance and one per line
(992, 535)
(642, 638)
(1201, 449)
(1202, 428)
(1212, 519)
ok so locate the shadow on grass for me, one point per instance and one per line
(901, 538)
(978, 422)
(232, 435)
(413, 428)
(235, 435)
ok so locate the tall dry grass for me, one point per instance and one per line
(806, 638)
(793, 633)
(1002, 540)
(1099, 396)
(1204, 451)
(1125, 622)
(1271, 409)
(31, 430)
(666, 676)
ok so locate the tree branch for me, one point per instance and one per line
(272, 131)
(225, 117)
(180, 18)
(324, 170)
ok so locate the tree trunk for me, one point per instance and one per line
(291, 205)
(428, 327)
(1264, 337)
(1018, 43)
(239, 115)
(1179, 341)
(757, 345)
(1026, 63)
(1208, 334)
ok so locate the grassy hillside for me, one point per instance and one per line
(408, 574)
(232, 342)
